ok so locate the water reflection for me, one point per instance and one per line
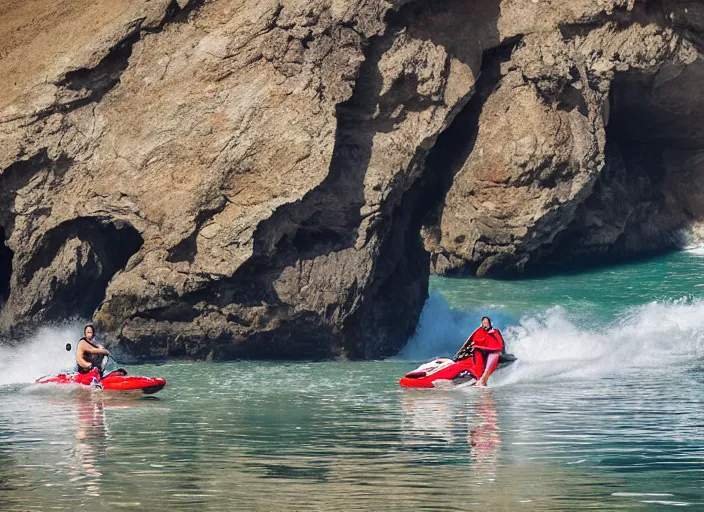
(484, 435)
(429, 418)
(8, 473)
(435, 422)
(342, 439)
(90, 446)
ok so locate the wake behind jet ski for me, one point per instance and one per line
(476, 360)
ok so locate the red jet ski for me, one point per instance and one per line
(468, 365)
(444, 370)
(117, 380)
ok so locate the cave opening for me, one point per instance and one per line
(92, 251)
(649, 198)
(452, 149)
(6, 256)
(114, 244)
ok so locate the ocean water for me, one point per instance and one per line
(602, 411)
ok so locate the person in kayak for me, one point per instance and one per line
(489, 342)
(89, 354)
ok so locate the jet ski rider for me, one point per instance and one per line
(487, 340)
(89, 354)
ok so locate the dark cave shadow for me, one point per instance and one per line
(111, 244)
(578, 266)
(6, 257)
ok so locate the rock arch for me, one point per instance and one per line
(68, 273)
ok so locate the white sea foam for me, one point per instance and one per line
(696, 249)
(553, 345)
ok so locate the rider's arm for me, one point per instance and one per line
(471, 340)
(80, 354)
(486, 342)
(101, 351)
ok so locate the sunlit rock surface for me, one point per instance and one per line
(276, 179)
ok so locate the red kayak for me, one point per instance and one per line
(448, 371)
(113, 381)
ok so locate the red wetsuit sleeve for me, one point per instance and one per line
(475, 336)
(500, 338)
(490, 341)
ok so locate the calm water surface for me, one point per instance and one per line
(617, 425)
(344, 436)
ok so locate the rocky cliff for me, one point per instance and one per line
(587, 143)
(240, 178)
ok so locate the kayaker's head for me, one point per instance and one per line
(89, 331)
(486, 323)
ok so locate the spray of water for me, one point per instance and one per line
(40, 354)
(442, 329)
(696, 249)
(554, 345)
(654, 339)
(559, 345)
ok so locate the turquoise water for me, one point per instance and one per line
(603, 292)
(603, 411)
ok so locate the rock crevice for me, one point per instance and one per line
(6, 257)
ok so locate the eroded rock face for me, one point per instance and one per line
(252, 163)
(241, 178)
(574, 152)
